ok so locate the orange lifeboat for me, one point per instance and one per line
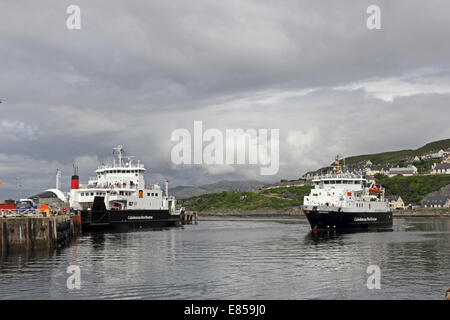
(376, 190)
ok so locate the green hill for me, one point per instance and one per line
(393, 158)
(413, 189)
(279, 198)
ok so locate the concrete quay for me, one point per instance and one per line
(29, 233)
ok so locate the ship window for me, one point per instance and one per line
(82, 194)
(148, 194)
(338, 181)
(332, 182)
(356, 182)
(326, 182)
(130, 203)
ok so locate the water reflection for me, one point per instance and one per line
(239, 259)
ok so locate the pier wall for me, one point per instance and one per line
(27, 233)
(189, 217)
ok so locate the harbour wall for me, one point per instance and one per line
(29, 233)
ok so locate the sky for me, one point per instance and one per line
(136, 71)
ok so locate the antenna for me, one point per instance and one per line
(120, 152)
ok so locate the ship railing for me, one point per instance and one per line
(337, 176)
(111, 166)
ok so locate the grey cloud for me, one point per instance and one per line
(138, 70)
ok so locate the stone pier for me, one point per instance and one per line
(28, 233)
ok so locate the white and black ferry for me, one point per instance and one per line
(117, 197)
(346, 201)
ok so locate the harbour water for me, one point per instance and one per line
(257, 258)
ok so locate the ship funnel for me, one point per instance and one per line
(75, 183)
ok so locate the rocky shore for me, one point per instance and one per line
(294, 212)
(422, 213)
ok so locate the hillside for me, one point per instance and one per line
(280, 198)
(184, 192)
(393, 158)
(413, 189)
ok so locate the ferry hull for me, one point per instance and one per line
(128, 219)
(333, 219)
(99, 218)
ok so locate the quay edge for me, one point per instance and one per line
(30, 233)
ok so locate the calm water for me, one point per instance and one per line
(240, 259)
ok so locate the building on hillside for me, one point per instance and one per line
(440, 168)
(371, 172)
(433, 155)
(310, 175)
(436, 202)
(368, 164)
(407, 172)
(285, 184)
(395, 202)
(446, 159)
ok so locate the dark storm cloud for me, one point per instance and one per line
(137, 70)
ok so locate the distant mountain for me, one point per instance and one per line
(184, 192)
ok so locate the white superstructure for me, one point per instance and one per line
(347, 192)
(123, 187)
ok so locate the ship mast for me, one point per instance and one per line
(119, 150)
(337, 169)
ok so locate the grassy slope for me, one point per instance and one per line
(413, 189)
(395, 156)
(280, 198)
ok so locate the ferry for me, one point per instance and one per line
(118, 198)
(346, 201)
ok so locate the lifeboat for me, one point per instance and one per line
(376, 190)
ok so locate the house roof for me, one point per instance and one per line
(392, 198)
(441, 166)
(436, 200)
(402, 170)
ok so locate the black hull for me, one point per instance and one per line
(99, 218)
(128, 219)
(335, 220)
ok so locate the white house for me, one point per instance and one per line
(436, 202)
(408, 171)
(440, 168)
(395, 202)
